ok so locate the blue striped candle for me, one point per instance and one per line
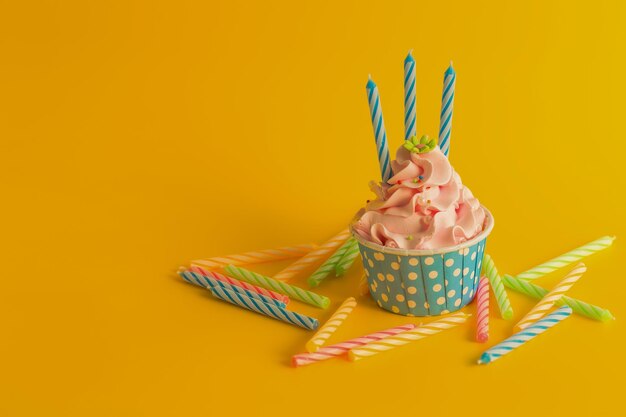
(410, 129)
(447, 104)
(265, 309)
(525, 335)
(380, 134)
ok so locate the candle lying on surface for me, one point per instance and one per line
(580, 307)
(482, 306)
(330, 264)
(502, 298)
(194, 277)
(550, 298)
(403, 338)
(313, 257)
(233, 281)
(255, 257)
(568, 258)
(269, 310)
(341, 348)
(331, 325)
(525, 335)
(348, 258)
(281, 287)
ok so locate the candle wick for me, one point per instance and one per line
(450, 63)
(411, 51)
(369, 76)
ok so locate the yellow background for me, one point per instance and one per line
(136, 136)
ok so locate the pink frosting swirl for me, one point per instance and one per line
(423, 206)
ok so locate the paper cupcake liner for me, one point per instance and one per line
(424, 282)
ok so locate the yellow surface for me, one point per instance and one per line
(136, 136)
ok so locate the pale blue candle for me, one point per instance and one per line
(410, 128)
(380, 134)
(447, 104)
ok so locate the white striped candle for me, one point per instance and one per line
(447, 105)
(380, 134)
(410, 111)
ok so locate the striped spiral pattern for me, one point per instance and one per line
(380, 133)
(410, 129)
(281, 287)
(255, 257)
(331, 325)
(525, 335)
(236, 282)
(547, 302)
(568, 258)
(269, 310)
(313, 257)
(364, 288)
(341, 348)
(579, 307)
(482, 305)
(348, 258)
(447, 105)
(506, 311)
(400, 339)
(194, 277)
(330, 264)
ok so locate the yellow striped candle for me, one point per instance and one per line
(409, 336)
(331, 325)
(317, 255)
(547, 302)
(255, 257)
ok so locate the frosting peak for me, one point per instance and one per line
(424, 205)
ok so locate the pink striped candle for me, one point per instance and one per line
(341, 348)
(242, 284)
(482, 305)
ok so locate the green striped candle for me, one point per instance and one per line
(278, 286)
(567, 258)
(327, 267)
(506, 311)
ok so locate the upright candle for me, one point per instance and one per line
(410, 129)
(380, 134)
(447, 104)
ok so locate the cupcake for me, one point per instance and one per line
(422, 239)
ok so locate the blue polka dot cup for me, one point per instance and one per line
(424, 282)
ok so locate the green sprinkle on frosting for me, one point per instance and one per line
(421, 145)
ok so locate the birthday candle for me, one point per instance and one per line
(341, 348)
(194, 278)
(568, 258)
(409, 97)
(269, 310)
(260, 256)
(506, 311)
(580, 307)
(232, 281)
(331, 325)
(447, 105)
(482, 305)
(278, 286)
(380, 134)
(330, 264)
(550, 298)
(403, 338)
(347, 259)
(525, 335)
(313, 257)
